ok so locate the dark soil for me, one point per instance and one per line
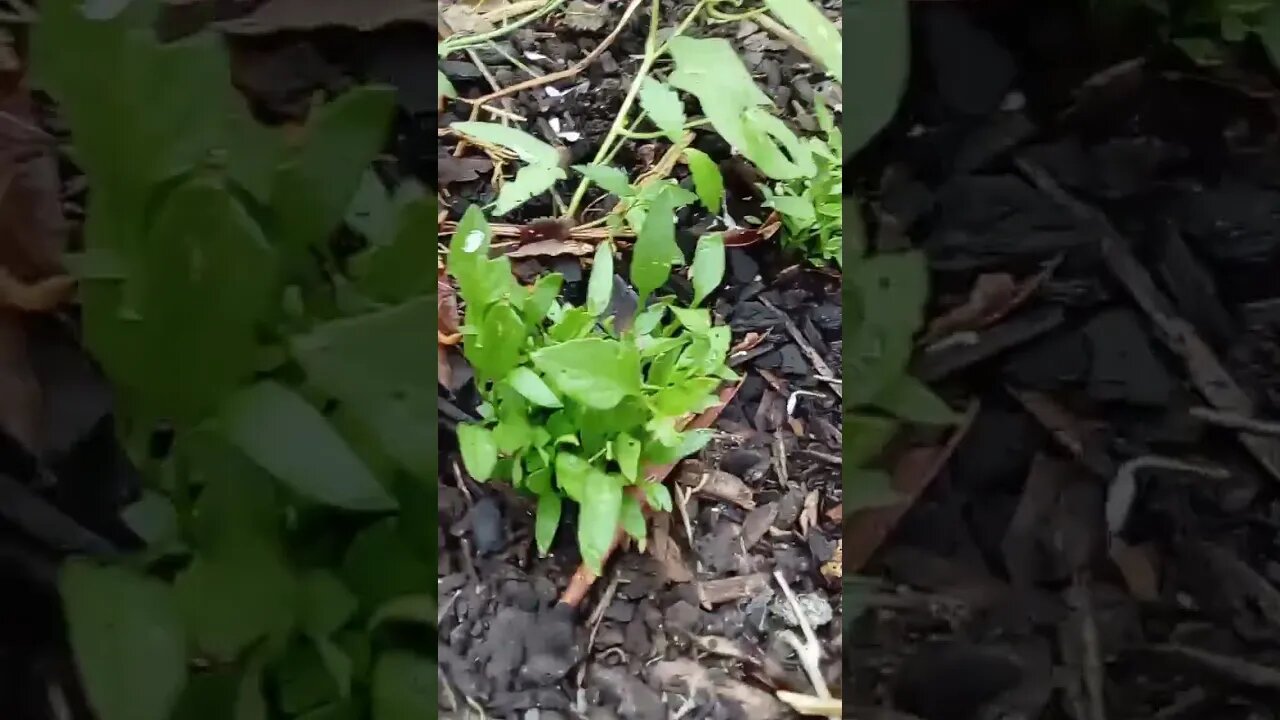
(690, 626)
(1093, 548)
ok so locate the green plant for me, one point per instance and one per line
(811, 208)
(575, 406)
(1206, 30)
(289, 527)
(885, 294)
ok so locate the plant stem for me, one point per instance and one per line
(461, 42)
(652, 52)
(654, 135)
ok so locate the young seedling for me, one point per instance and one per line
(576, 408)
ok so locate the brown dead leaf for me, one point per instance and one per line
(717, 484)
(276, 16)
(447, 329)
(452, 170)
(989, 291)
(581, 15)
(748, 342)
(552, 248)
(993, 297)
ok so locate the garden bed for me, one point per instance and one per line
(688, 626)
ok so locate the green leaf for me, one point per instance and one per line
(912, 401)
(190, 352)
(381, 564)
(445, 87)
(877, 32)
(627, 449)
(404, 687)
(240, 588)
(545, 291)
(864, 437)
(529, 384)
(325, 603)
(600, 284)
(658, 496)
(289, 438)
(799, 209)
(127, 637)
(595, 372)
(655, 250)
(708, 266)
(819, 33)
(707, 180)
(663, 106)
(697, 320)
(153, 518)
(633, 522)
(495, 350)
(479, 450)
(373, 365)
(529, 148)
(393, 273)
(314, 187)
(572, 475)
(529, 182)
(336, 662)
(896, 286)
(416, 609)
(868, 489)
(598, 522)
(610, 178)
(711, 70)
(547, 522)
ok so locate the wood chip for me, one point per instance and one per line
(724, 590)
(717, 484)
(1206, 371)
(552, 248)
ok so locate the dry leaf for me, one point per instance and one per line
(447, 328)
(717, 484)
(581, 15)
(551, 248)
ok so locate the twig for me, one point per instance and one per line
(1206, 371)
(596, 617)
(1225, 666)
(459, 42)
(818, 363)
(810, 705)
(572, 70)
(1235, 421)
(810, 651)
(1124, 488)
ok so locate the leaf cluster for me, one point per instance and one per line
(578, 402)
(289, 530)
(1206, 30)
